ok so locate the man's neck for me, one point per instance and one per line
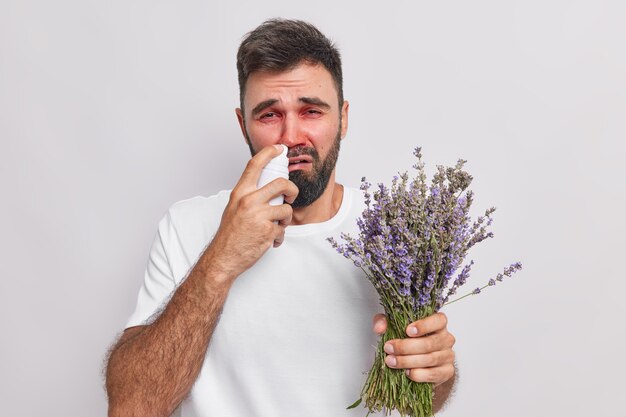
(322, 209)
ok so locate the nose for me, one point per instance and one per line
(291, 133)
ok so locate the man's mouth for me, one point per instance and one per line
(300, 159)
(300, 162)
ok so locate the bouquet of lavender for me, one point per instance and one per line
(413, 238)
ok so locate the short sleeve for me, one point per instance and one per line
(159, 282)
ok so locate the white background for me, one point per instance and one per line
(110, 111)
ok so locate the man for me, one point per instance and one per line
(231, 327)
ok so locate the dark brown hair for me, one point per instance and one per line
(280, 45)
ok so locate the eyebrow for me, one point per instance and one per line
(263, 105)
(315, 101)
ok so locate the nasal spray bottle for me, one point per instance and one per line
(278, 167)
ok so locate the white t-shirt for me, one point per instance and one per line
(295, 336)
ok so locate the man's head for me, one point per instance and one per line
(291, 93)
(279, 45)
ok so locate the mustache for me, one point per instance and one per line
(303, 150)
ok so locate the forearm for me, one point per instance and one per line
(152, 372)
(442, 392)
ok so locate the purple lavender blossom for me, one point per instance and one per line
(413, 238)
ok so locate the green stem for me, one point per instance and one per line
(390, 389)
(466, 295)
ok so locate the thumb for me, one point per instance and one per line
(252, 172)
(380, 323)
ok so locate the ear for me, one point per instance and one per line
(344, 118)
(242, 124)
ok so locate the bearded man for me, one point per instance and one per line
(227, 326)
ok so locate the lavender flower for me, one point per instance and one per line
(412, 239)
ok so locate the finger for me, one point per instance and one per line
(252, 172)
(291, 193)
(286, 221)
(420, 345)
(427, 360)
(278, 240)
(430, 324)
(379, 323)
(282, 214)
(277, 187)
(437, 375)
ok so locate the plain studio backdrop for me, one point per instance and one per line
(110, 111)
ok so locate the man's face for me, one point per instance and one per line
(298, 108)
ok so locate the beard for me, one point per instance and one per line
(311, 185)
